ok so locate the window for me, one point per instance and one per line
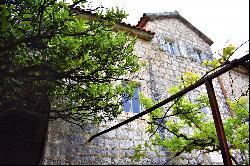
(197, 55)
(182, 48)
(209, 56)
(132, 105)
(170, 47)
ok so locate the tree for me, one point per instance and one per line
(51, 55)
(185, 114)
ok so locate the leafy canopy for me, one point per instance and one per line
(50, 54)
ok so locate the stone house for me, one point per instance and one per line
(170, 45)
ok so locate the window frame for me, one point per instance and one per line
(170, 46)
(129, 104)
(196, 53)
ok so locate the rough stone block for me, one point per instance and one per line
(105, 161)
(89, 159)
(193, 162)
(182, 162)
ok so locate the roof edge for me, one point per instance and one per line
(120, 26)
(152, 16)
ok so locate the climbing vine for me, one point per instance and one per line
(188, 125)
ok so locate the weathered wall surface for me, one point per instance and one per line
(66, 144)
(176, 30)
(163, 69)
(236, 84)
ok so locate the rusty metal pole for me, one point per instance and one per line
(218, 123)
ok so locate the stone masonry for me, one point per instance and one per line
(66, 144)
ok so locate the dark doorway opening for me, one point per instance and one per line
(22, 138)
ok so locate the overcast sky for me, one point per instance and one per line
(221, 20)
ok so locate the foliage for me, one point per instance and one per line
(188, 124)
(48, 52)
(226, 54)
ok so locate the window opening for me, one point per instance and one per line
(197, 55)
(133, 104)
(170, 47)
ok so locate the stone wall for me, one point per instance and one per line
(66, 144)
(236, 84)
(164, 68)
(177, 31)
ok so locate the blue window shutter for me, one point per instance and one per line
(167, 47)
(136, 101)
(172, 48)
(200, 57)
(210, 57)
(182, 49)
(125, 103)
(203, 57)
(197, 56)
